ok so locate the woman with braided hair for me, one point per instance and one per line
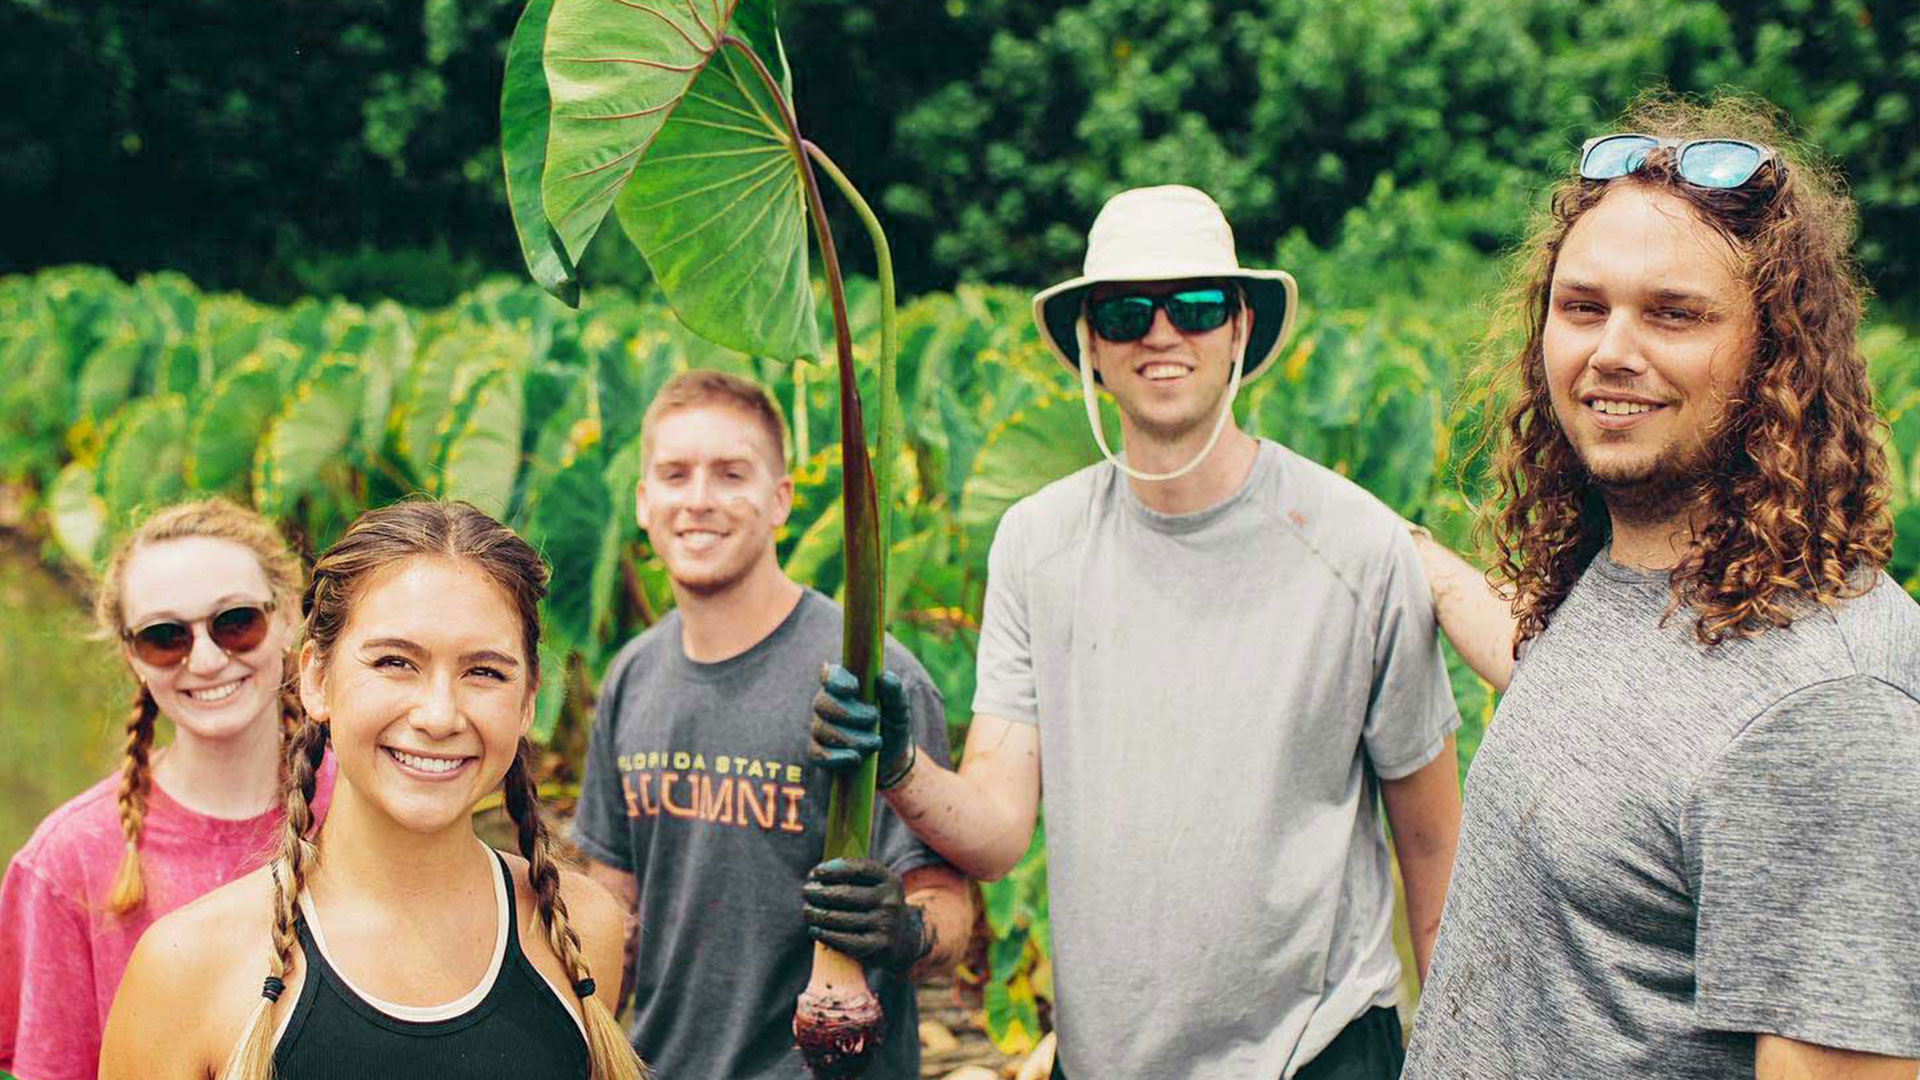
(392, 941)
(201, 597)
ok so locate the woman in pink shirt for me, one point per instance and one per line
(203, 598)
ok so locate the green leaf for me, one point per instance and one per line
(552, 696)
(110, 373)
(1013, 1015)
(719, 209)
(571, 523)
(619, 400)
(615, 72)
(480, 453)
(141, 469)
(436, 382)
(386, 356)
(78, 514)
(524, 105)
(311, 435)
(652, 113)
(227, 427)
(1029, 450)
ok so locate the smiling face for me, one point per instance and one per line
(1168, 383)
(710, 496)
(428, 690)
(1649, 334)
(211, 694)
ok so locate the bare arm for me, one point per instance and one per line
(980, 818)
(945, 901)
(604, 921)
(1779, 1058)
(1477, 617)
(1423, 809)
(626, 890)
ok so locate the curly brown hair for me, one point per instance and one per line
(1794, 505)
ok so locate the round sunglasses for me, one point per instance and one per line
(167, 642)
(1128, 317)
(1707, 163)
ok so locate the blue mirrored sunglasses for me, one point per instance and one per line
(1708, 163)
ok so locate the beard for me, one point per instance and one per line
(1659, 490)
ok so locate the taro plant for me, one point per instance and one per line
(677, 117)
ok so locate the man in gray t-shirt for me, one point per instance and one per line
(1692, 840)
(1213, 657)
(698, 809)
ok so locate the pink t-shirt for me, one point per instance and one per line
(62, 953)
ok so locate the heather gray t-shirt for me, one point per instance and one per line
(1217, 695)
(1668, 849)
(698, 784)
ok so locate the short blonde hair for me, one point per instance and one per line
(704, 386)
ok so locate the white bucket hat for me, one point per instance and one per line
(1165, 233)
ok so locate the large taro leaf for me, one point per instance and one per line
(141, 469)
(480, 452)
(111, 374)
(227, 427)
(1030, 449)
(524, 104)
(310, 436)
(719, 210)
(385, 357)
(576, 525)
(653, 115)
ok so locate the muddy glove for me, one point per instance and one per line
(846, 729)
(859, 907)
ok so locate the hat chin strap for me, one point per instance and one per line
(1082, 337)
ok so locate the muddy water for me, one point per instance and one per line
(62, 696)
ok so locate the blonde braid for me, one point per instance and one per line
(252, 1057)
(612, 1057)
(136, 778)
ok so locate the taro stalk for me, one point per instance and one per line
(677, 115)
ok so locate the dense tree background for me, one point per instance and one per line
(289, 147)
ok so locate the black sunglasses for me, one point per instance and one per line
(237, 629)
(1129, 317)
(1707, 163)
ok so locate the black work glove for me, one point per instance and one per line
(846, 729)
(859, 907)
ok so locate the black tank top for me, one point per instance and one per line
(511, 1025)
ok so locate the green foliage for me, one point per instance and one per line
(1004, 123)
(1028, 116)
(318, 411)
(1019, 967)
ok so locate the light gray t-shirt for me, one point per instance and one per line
(1217, 695)
(1668, 849)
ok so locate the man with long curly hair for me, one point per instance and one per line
(1690, 837)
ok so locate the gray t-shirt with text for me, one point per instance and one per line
(1669, 848)
(1217, 695)
(698, 784)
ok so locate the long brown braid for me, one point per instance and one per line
(129, 887)
(613, 1058)
(252, 1057)
(376, 541)
(213, 518)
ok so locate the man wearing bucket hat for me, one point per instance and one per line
(1223, 653)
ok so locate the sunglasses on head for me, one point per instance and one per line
(1128, 317)
(1707, 163)
(237, 629)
